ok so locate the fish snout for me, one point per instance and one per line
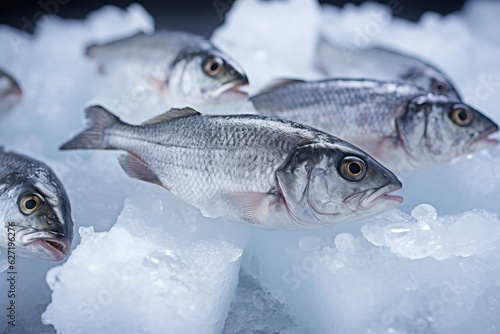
(483, 140)
(381, 199)
(241, 78)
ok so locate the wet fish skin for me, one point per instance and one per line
(402, 125)
(273, 174)
(188, 66)
(34, 208)
(10, 93)
(382, 64)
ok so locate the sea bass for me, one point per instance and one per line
(188, 66)
(10, 93)
(270, 173)
(382, 64)
(402, 125)
(35, 211)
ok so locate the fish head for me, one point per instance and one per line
(436, 129)
(432, 80)
(36, 214)
(203, 75)
(335, 183)
(10, 92)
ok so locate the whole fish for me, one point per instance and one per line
(273, 174)
(188, 66)
(382, 64)
(402, 125)
(10, 93)
(35, 211)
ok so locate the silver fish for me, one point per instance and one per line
(382, 64)
(35, 211)
(189, 66)
(10, 93)
(402, 125)
(273, 174)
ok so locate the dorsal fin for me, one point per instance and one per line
(275, 84)
(173, 113)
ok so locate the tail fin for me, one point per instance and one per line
(93, 137)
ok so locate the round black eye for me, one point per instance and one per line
(352, 168)
(29, 204)
(212, 66)
(439, 87)
(461, 116)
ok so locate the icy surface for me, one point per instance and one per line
(148, 263)
(403, 274)
(254, 310)
(427, 235)
(279, 42)
(186, 283)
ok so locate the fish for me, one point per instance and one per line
(10, 93)
(382, 64)
(35, 211)
(403, 126)
(268, 173)
(187, 66)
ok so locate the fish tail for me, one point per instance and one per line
(93, 137)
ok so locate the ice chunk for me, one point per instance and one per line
(139, 278)
(279, 44)
(418, 273)
(424, 234)
(468, 183)
(355, 27)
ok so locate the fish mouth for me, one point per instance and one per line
(51, 246)
(59, 249)
(370, 198)
(233, 86)
(237, 90)
(384, 193)
(483, 141)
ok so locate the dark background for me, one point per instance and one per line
(197, 16)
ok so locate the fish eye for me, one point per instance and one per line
(212, 66)
(29, 204)
(461, 116)
(352, 168)
(439, 87)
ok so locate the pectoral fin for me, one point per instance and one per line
(253, 208)
(136, 168)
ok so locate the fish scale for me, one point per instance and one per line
(214, 143)
(404, 126)
(246, 167)
(351, 108)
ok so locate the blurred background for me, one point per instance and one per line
(196, 16)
